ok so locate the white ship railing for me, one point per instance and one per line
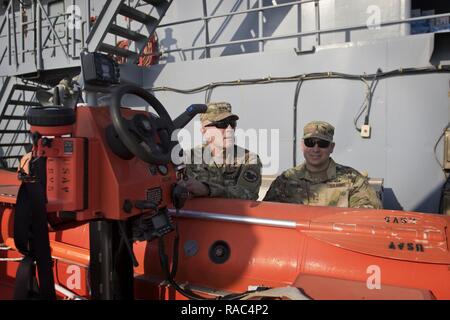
(261, 39)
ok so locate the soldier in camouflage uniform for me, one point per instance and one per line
(219, 168)
(68, 90)
(319, 181)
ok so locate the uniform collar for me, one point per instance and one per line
(221, 159)
(323, 176)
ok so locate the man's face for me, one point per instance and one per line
(317, 152)
(220, 134)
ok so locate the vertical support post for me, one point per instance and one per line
(405, 13)
(16, 56)
(74, 35)
(110, 266)
(115, 37)
(261, 25)
(88, 15)
(295, 125)
(83, 38)
(22, 35)
(206, 21)
(32, 44)
(39, 37)
(100, 262)
(129, 20)
(8, 24)
(299, 25)
(317, 11)
(67, 32)
(87, 24)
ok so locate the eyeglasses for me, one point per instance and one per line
(310, 143)
(223, 124)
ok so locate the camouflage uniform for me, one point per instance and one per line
(67, 94)
(240, 179)
(237, 174)
(338, 186)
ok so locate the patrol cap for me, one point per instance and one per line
(319, 129)
(217, 111)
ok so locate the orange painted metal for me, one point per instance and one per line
(64, 252)
(52, 131)
(6, 220)
(279, 256)
(113, 180)
(9, 185)
(329, 253)
(274, 256)
(110, 180)
(64, 173)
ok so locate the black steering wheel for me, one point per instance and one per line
(139, 133)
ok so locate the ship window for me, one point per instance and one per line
(428, 8)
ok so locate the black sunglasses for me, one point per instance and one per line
(223, 124)
(310, 143)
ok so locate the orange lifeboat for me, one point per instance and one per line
(96, 189)
(229, 246)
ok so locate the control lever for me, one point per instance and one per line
(123, 234)
(184, 118)
(179, 196)
(145, 204)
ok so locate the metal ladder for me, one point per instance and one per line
(20, 54)
(137, 38)
(15, 138)
(16, 97)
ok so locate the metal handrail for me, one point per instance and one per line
(46, 27)
(43, 33)
(206, 18)
(237, 13)
(5, 17)
(52, 28)
(306, 33)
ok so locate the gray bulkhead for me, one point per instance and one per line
(408, 113)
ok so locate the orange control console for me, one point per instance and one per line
(105, 162)
(86, 179)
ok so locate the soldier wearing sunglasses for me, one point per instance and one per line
(319, 181)
(219, 168)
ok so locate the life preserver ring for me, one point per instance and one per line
(148, 56)
(124, 44)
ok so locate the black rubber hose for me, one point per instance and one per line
(188, 294)
(295, 111)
